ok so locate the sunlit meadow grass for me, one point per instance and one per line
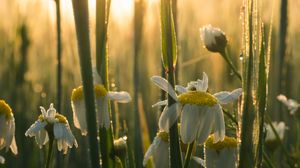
(267, 62)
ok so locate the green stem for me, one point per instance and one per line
(59, 67)
(106, 135)
(188, 155)
(81, 16)
(268, 160)
(229, 62)
(51, 140)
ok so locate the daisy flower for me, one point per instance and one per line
(7, 128)
(102, 98)
(159, 149)
(291, 104)
(271, 140)
(201, 111)
(214, 39)
(50, 124)
(221, 154)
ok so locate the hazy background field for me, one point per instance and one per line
(28, 79)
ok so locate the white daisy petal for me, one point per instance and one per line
(41, 138)
(228, 97)
(160, 103)
(13, 146)
(121, 97)
(59, 131)
(164, 85)
(168, 117)
(219, 133)
(206, 122)
(2, 159)
(96, 77)
(161, 155)
(190, 118)
(180, 89)
(79, 115)
(103, 114)
(35, 128)
(204, 83)
(199, 161)
(151, 150)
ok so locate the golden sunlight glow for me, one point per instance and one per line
(122, 10)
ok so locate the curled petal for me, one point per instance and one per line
(35, 128)
(121, 97)
(228, 97)
(164, 85)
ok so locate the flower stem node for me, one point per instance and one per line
(214, 38)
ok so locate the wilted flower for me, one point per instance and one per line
(201, 111)
(7, 128)
(214, 39)
(271, 140)
(52, 125)
(221, 154)
(2, 159)
(159, 149)
(102, 98)
(291, 104)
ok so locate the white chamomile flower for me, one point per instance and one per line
(280, 128)
(2, 159)
(159, 149)
(291, 104)
(50, 125)
(7, 128)
(214, 39)
(221, 154)
(102, 98)
(201, 111)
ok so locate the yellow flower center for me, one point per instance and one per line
(228, 142)
(59, 117)
(77, 93)
(197, 98)
(5, 109)
(163, 136)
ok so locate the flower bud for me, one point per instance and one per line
(214, 39)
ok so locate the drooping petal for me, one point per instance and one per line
(161, 155)
(121, 97)
(168, 117)
(79, 115)
(205, 124)
(13, 146)
(103, 114)
(190, 119)
(151, 150)
(228, 97)
(35, 128)
(58, 130)
(160, 103)
(219, 133)
(2, 159)
(227, 158)
(41, 138)
(199, 161)
(164, 85)
(180, 89)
